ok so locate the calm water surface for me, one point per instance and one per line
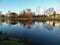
(35, 32)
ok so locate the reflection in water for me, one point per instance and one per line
(28, 23)
(33, 31)
(48, 27)
(37, 27)
(1, 21)
(13, 22)
(53, 22)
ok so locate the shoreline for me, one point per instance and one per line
(10, 40)
(29, 18)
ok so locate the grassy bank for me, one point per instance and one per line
(29, 18)
(58, 19)
(7, 40)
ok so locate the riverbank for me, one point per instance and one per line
(7, 40)
(29, 18)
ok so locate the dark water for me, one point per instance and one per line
(35, 32)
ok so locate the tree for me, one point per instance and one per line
(29, 13)
(49, 11)
(54, 13)
(24, 13)
(0, 13)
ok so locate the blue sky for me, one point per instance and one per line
(18, 5)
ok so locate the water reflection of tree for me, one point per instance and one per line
(12, 22)
(59, 27)
(22, 22)
(1, 21)
(29, 24)
(53, 23)
(38, 27)
(48, 27)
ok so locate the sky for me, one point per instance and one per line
(18, 5)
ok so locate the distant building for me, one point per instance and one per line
(55, 15)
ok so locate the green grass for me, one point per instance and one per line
(58, 19)
(30, 18)
(5, 40)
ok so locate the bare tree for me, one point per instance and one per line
(54, 13)
(49, 11)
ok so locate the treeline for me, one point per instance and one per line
(29, 14)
